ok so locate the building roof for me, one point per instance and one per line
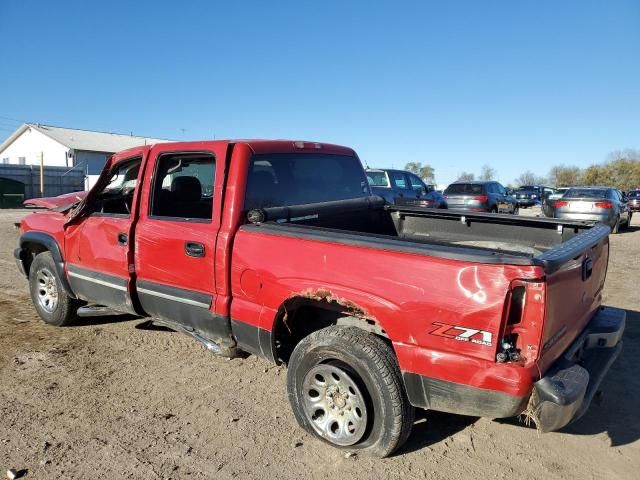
(84, 139)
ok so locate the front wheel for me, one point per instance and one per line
(345, 388)
(52, 303)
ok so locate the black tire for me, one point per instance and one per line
(516, 210)
(370, 363)
(494, 209)
(62, 309)
(616, 227)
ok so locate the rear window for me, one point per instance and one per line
(586, 193)
(298, 178)
(464, 189)
(377, 179)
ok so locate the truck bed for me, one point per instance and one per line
(479, 237)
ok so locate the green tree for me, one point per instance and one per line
(425, 172)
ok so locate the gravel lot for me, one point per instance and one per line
(106, 399)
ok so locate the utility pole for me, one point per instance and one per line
(42, 174)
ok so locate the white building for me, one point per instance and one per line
(66, 147)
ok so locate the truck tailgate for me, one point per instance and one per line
(576, 272)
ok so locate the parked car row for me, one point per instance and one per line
(399, 187)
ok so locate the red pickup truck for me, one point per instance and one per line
(277, 248)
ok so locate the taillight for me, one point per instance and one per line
(562, 203)
(604, 205)
(481, 198)
(523, 321)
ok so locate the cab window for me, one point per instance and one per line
(399, 180)
(183, 187)
(417, 184)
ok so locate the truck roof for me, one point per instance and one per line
(260, 146)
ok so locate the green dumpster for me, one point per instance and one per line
(11, 193)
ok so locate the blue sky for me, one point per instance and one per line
(515, 84)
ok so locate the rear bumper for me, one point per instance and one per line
(561, 396)
(565, 392)
(586, 217)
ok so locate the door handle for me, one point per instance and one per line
(122, 238)
(194, 249)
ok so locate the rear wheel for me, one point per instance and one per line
(345, 388)
(51, 301)
(616, 227)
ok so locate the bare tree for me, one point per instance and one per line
(487, 173)
(466, 176)
(530, 178)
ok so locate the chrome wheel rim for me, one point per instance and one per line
(47, 290)
(334, 405)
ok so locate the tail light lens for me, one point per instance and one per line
(481, 198)
(523, 322)
(562, 203)
(604, 205)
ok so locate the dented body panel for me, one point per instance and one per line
(474, 324)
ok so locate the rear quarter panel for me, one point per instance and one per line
(409, 295)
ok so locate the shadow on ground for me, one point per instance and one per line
(102, 320)
(433, 427)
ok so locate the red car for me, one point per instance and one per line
(633, 201)
(277, 248)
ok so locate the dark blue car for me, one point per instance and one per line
(399, 187)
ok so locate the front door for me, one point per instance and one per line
(176, 235)
(97, 242)
(404, 194)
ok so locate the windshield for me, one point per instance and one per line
(586, 193)
(463, 189)
(298, 178)
(377, 179)
(527, 189)
(635, 194)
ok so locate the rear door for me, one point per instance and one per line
(97, 241)
(176, 235)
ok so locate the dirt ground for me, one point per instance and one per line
(105, 399)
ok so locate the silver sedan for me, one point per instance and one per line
(594, 204)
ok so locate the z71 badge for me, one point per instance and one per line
(463, 334)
